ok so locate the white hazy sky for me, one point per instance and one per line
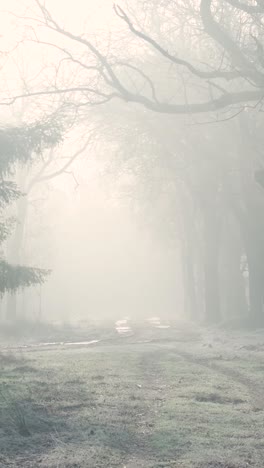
(92, 17)
(77, 15)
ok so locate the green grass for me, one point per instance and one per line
(130, 405)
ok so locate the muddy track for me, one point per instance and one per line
(254, 390)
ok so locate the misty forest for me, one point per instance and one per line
(132, 233)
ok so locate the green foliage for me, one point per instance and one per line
(20, 145)
(6, 227)
(8, 192)
(13, 277)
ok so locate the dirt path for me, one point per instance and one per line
(154, 334)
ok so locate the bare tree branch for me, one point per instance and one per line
(246, 67)
(228, 75)
(52, 24)
(78, 89)
(239, 67)
(250, 9)
(66, 165)
(144, 76)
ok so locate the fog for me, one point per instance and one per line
(142, 173)
(131, 233)
(105, 263)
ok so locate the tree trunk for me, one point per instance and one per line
(256, 283)
(189, 241)
(252, 220)
(234, 293)
(11, 307)
(190, 302)
(15, 252)
(232, 284)
(211, 267)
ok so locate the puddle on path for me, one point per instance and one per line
(122, 327)
(78, 343)
(54, 343)
(156, 323)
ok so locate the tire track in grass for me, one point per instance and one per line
(254, 390)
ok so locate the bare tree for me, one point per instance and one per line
(234, 77)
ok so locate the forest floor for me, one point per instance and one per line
(147, 396)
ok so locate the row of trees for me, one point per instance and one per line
(198, 189)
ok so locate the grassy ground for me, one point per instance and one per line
(159, 399)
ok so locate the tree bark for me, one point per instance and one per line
(232, 284)
(211, 267)
(190, 300)
(15, 253)
(256, 282)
